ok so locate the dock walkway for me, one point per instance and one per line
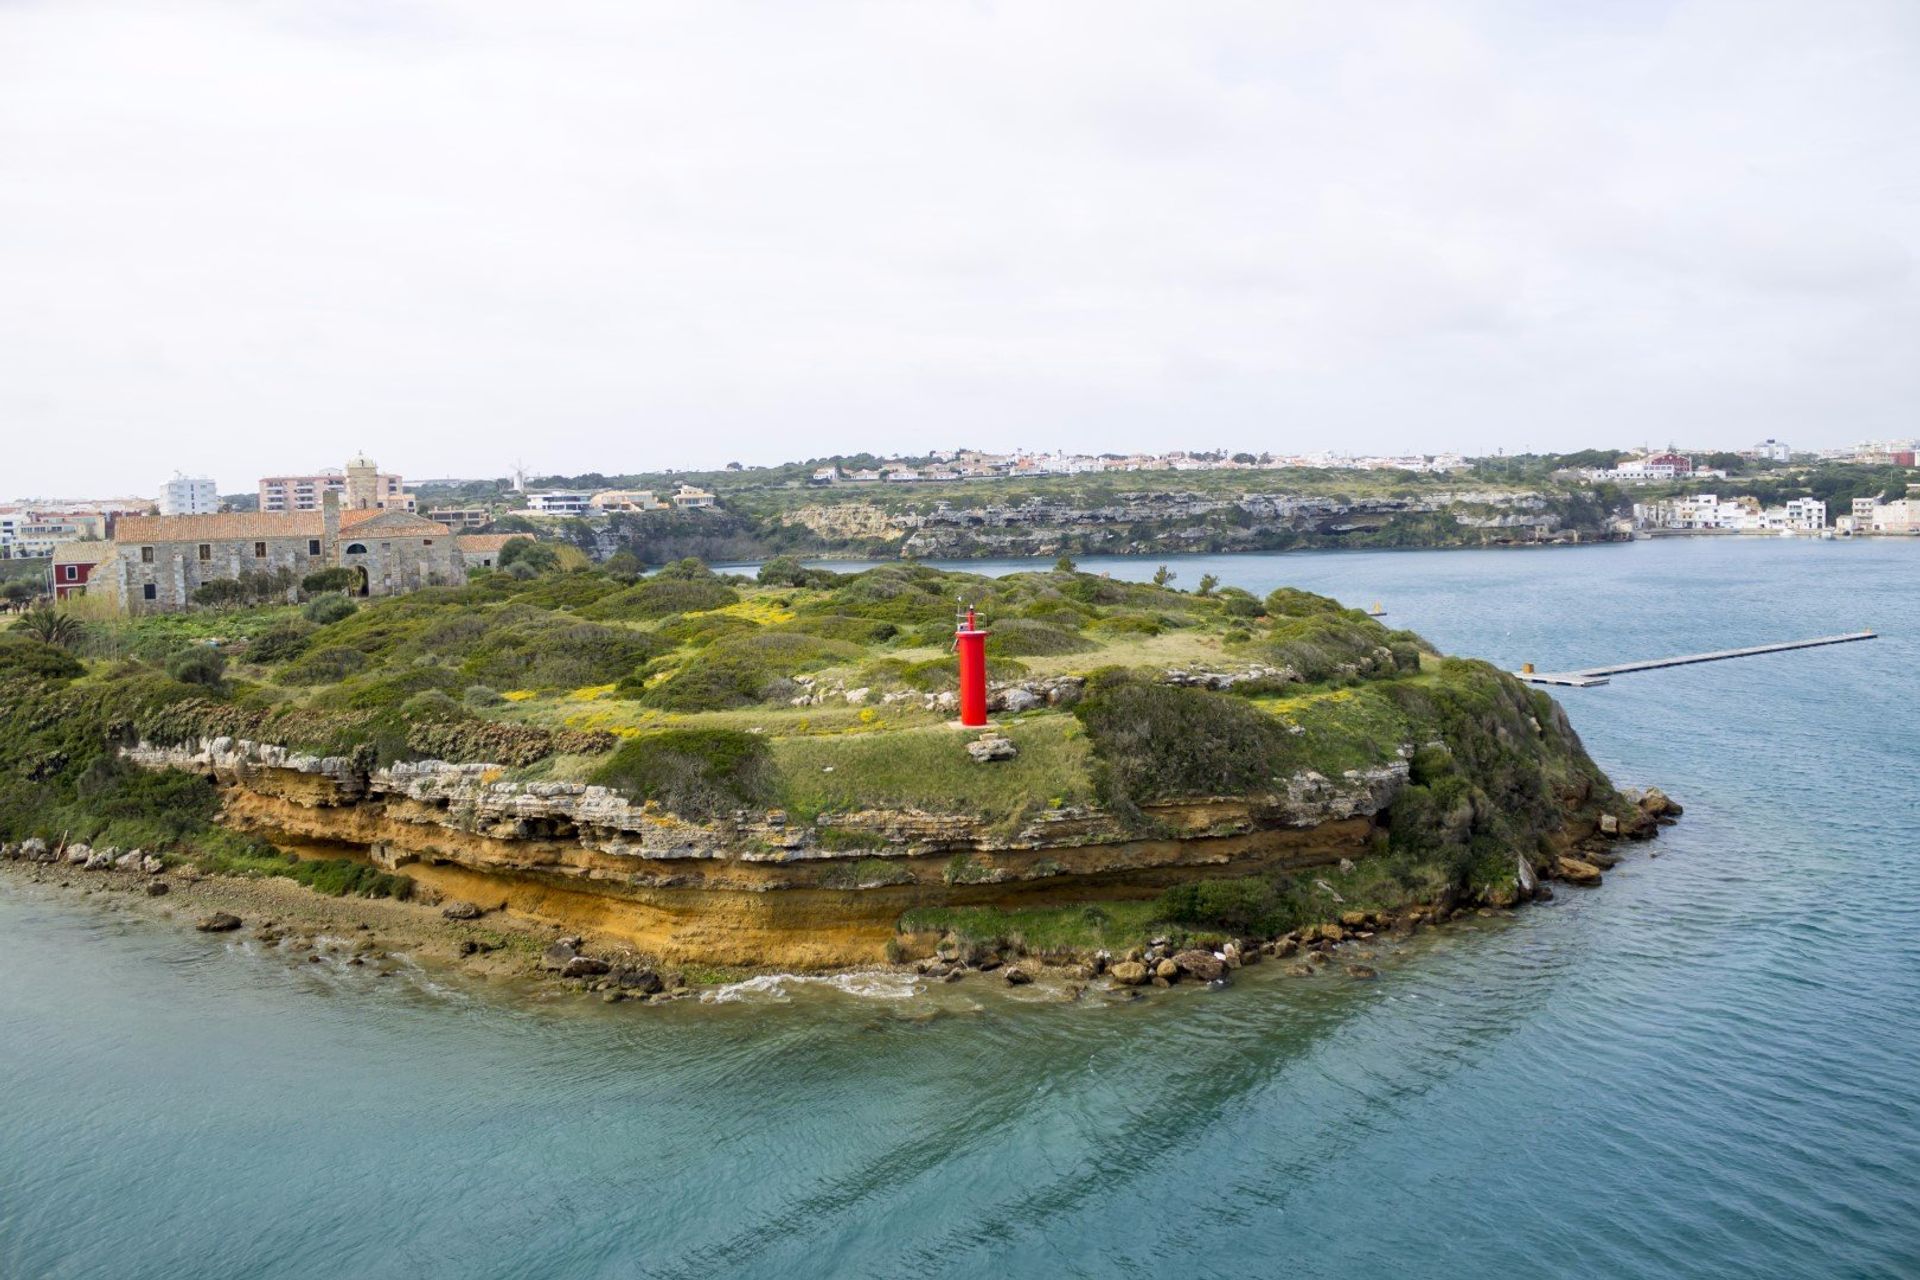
(1591, 676)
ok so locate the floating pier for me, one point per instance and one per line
(1600, 675)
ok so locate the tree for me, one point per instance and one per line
(1207, 583)
(19, 592)
(1163, 575)
(537, 557)
(1245, 459)
(783, 571)
(48, 626)
(1065, 564)
(622, 566)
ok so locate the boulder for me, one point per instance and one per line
(1167, 970)
(79, 854)
(1525, 879)
(461, 911)
(556, 957)
(1017, 977)
(35, 849)
(1657, 803)
(645, 981)
(98, 861)
(1019, 698)
(157, 888)
(1609, 825)
(1201, 965)
(1130, 973)
(218, 922)
(152, 865)
(1286, 947)
(584, 967)
(1300, 970)
(1353, 919)
(128, 861)
(1364, 972)
(992, 747)
(1575, 871)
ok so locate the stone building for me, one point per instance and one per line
(158, 562)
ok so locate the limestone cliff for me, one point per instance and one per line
(754, 887)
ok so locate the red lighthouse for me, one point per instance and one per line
(971, 640)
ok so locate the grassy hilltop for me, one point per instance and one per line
(814, 693)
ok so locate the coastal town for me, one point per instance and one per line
(377, 535)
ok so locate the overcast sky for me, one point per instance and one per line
(254, 236)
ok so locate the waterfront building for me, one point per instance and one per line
(1806, 514)
(189, 496)
(689, 498)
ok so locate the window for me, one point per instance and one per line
(73, 572)
(206, 551)
(148, 591)
(426, 542)
(313, 546)
(356, 548)
(146, 555)
(259, 551)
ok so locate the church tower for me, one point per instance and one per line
(363, 484)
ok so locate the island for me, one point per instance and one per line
(599, 773)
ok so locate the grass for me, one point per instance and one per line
(1047, 930)
(930, 769)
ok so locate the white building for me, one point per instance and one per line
(559, 502)
(1772, 450)
(189, 496)
(1808, 514)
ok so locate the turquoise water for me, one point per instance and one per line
(1706, 1068)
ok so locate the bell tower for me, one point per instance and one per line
(363, 483)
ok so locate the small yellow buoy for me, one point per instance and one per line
(1526, 668)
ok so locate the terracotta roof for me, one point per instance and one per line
(230, 524)
(484, 542)
(267, 524)
(392, 520)
(82, 552)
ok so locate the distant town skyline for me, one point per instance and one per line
(597, 236)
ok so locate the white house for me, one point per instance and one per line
(559, 502)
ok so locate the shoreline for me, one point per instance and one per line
(384, 935)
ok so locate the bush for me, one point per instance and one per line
(1161, 742)
(338, 578)
(479, 695)
(1239, 603)
(1291, 602)
(325, 666)
(280, 643)
(536, 556)
(1018, 637)
(1245, 905)
(696, 773)
(660, 595)
(201, 665)
(20, 656)
(326, 610)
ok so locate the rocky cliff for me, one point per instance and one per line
(754, 888)
(1150, 522)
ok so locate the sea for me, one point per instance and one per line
(1710, 1066)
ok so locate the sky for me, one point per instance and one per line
(246, 238)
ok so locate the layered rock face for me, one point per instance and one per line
(1177, 521)
(755, 887)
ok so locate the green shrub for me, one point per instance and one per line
(1162, 742)
(1128, 624)
(701, 629)
(280, 643)
(327, 609)
(325, 666)
(337, 579)
(479, 695)
(201, 665)
(838, 626)
(1245, 905)
(660, 596)
(696, 773)
(21, 656)
(1019, 637)
(536, 556)
(1291, 602)
(1238, 603)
